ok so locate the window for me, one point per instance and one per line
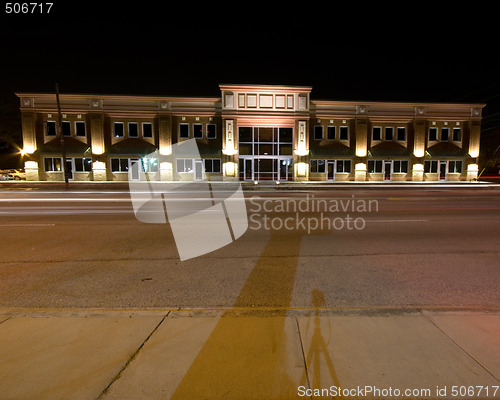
(375, 166)
(83, 164)
(118, 130)
(211, 131)
(147, 129)
(212, 165)
(133, 129)
(431, 166)
(343, 165)
(389, 133)
(184, 131)
(66, 128)
(119, 164)
(457, 134)
(198, 131)
(455, 167)
(318, 132)
(184, 165)
(53, 164)
(80, 128)
(400, 166)
(433, 134)
(150, 164)
(330, 132)
(344, 133)
(376, 133)
(401, 133)
(445, 134)
(318, 166)
(50, 128)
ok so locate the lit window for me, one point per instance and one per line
(53, 164)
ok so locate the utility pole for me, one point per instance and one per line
(61, 136)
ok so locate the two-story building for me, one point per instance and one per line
(250, 132)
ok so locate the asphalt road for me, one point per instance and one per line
(392, 248)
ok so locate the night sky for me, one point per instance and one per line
(403, 52)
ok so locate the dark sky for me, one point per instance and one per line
(400, 52)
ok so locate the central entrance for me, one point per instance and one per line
(265, 153)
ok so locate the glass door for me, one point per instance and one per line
(387, 170)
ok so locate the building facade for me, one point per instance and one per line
(250, 133)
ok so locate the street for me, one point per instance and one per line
(413, 248)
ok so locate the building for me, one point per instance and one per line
(250, 132)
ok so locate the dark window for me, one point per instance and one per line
(83, 164)
(400, 166)
(266, 134)
(430, 166)
(343, 165)
(457, 134)
(330, 132)
(198, 131)
(433, 134)
(133, 129)
(344, 133)
(285, 149)
(375, 166)
(245, 134)
(51, 128)
(147, 129)
(118, 129)
(377, 133)
(119, 164)
(389, 133)
(318, 166)
(455, 167)
(80, 128)
(211, 131)
(285, 135)
(401, 133)
(212, 165)
(184, 131)
(445, 134)
(66, 128)
(318, 132)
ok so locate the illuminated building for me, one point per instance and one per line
(252, 133)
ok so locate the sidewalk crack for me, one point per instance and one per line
(460, 347)
(131, 358)
(303, 354)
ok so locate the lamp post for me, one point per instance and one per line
(61, 136)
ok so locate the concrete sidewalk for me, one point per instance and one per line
(249, 354)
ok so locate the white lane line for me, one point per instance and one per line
(396, 220)
(27, 225)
